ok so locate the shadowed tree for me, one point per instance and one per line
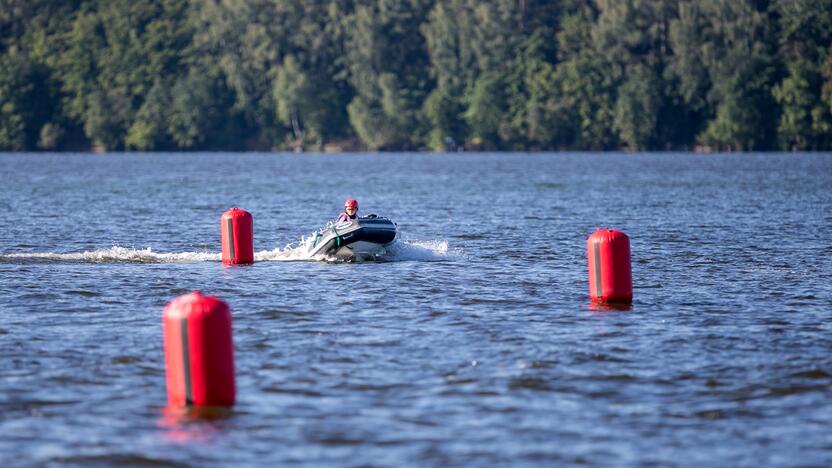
(27, 103)
(805, 36)
(407, 74)
(301, 104)
(149, 129)
(452, 69)
(586, 100)
(724, 66)
(637, 108)
(110, 59)
(484, 114)
(632, 35)
(388, 66)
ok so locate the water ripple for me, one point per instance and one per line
(473, 344)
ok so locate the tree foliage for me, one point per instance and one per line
(415, 74)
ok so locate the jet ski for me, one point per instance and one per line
(364, 238)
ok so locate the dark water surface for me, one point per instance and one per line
(472, 345)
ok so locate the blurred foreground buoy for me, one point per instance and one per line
(199, 353)
(237, 234)
(610, 274)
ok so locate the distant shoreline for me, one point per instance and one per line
(336, 77)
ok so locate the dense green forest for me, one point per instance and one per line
(415, 74)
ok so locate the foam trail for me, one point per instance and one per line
(290, 253)
(420, 251)
(114, 254)
(399, 251)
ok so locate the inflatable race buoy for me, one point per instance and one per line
(199, 353)
(610, 274)
(237, 235)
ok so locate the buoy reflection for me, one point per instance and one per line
(193, 424)
(603, 308)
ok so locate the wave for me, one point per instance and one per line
(421, 251)
(399, 251)
(114, 254)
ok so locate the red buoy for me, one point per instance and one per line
(610, 274)
(199, 353)
(237, 234)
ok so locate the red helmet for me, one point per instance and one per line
(351, 203)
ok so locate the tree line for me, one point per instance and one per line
(415, 74)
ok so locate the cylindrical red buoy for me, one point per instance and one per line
(199, 353)
(610, 274)
(237, 234)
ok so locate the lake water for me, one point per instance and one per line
(472, 344)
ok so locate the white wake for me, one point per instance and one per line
(115, 254)
(398, 251)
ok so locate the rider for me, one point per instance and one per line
(350, 211)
